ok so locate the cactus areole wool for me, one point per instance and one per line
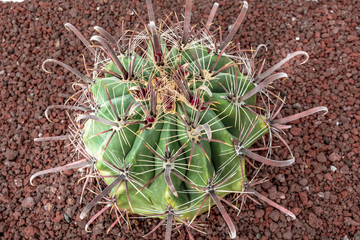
(170, 116)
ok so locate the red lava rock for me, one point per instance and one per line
(275, 215)
(98, 229)
(321, 157)
(28, 202)
(317, 91)
(272, 192)
(11, 154)
(303, 181)
(34, 133)
(295, 131)
(73, 12)
(68, 173)
(30, 231)
(280, 178)
(351, 222)
(33, 31)
(351, 38)
(287, 235)
(273, 226)
(303, 197)
(314, 221)
(3, 227)
(345, 169)
(337, 222)
(4, 198)
(58, 217)
(259, 213)
(328, 177)
(334, 157)
(296, 211)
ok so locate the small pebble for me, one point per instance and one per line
(67, 218)
(28, 202)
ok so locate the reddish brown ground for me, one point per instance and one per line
(325, 201)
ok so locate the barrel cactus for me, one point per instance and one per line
(169, 118)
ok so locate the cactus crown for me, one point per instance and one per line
(168, 119)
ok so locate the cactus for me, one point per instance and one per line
(169, 117)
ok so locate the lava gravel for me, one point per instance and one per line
(322, 188)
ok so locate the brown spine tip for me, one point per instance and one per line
(211, 15)
(236, 26)
(150, 10)
(187, 20)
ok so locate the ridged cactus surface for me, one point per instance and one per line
(169, 118)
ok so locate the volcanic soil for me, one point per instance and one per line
(322, 188)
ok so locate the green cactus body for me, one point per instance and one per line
(162, 196)
(209, 159)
